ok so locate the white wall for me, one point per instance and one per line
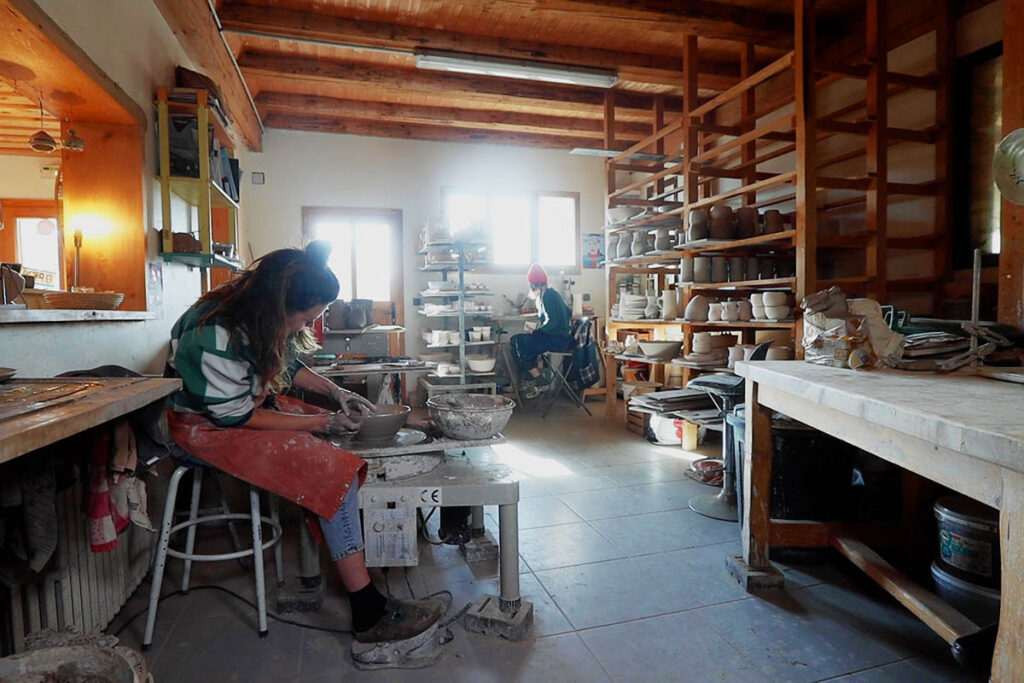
(21, 177)
(129, 40)
(314, 169)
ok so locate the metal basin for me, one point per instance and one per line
(470, 417)
(383, 424)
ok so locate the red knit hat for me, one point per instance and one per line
(536, 275)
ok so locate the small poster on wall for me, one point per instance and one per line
(593, 250)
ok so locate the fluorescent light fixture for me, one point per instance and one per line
(462, 62)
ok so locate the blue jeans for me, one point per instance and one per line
(526, 347)
(343, 533)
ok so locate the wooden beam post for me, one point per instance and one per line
(944, 54)
(747, 107)
(1011, 257)
(689, 138)
(876, 160)
(806, 226)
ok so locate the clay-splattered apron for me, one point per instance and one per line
(303, 468)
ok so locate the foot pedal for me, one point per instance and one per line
(412, 653)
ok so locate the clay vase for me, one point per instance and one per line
(719, 269)
(639, 245)
(721, 212)
(714, 312)
(746, 222)
(686, 269)
(736, 264)
(702, 269)
(662, 242)
(623, 250)
(746, 312)
(668, 305)
(722, 228)
(612, 247)
(730, 311)
(773, 221)
(680, 302)
(651, 312)
(698, 216)
(697, 309)
(751, 268)
(697, 232)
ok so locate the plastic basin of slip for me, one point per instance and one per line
(470, 417)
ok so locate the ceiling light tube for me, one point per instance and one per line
(461, 62)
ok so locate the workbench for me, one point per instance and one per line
(962, 431)
(67, 406)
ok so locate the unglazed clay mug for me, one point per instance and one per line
(702, 269)
(719, 269)
(722, 228)
(773, 221)
(736, 265)
(686, 269)
(747, 220)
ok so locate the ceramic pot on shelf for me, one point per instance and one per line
(736, 266)
(662, 241)
(698, 216)
(747, 220)
(721, 212)
(719, 269)
(639, 244)
(702, 269)
(730, 311)
(766, 265)
(773, 222)
(680, 302)
(735, 354)
(651, 312)
(686, 269)
(751, 268)
(624, 246)
(722, 228)
(714, 311)
(697, 232)
(669, 311)
(746, 311)
(697, 308)
(612, 246)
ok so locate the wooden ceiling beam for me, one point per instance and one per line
(196, 27)
(697, 17)
(283, 24)
(269, 102)
(457, 87)
(424, 132)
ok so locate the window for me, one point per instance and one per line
(365, 250)
(39, 250)
(525, 228)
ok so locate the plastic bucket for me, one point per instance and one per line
(979, 604)
(968, 540)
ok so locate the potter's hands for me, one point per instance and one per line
(352, 405)
(340, 423)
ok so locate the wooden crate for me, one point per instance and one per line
(637, 422)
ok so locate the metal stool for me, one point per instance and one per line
(556, 361)
(729, 389)
(187, 464)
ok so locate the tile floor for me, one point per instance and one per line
(628, 585)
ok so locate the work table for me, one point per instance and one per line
(93, 402)
(963, 431)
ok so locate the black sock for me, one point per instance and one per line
(367, 606)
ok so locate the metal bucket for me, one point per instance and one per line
(979, 604)
(968, 540)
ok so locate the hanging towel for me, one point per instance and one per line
(116, 497)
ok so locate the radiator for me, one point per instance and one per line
(82, 588)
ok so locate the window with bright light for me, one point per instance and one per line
(39, 250)
(362, 251)
(536, 227)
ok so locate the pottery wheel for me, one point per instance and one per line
(386, 461)
(404, 437)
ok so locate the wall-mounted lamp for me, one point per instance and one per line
(462, 62)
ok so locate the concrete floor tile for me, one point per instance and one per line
(618, 502)
(663, 531)
(544, 511)
(565, 545)
(674, 647)
(562, 658)
(917, 669)
(588, 480)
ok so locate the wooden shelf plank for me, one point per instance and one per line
(775, 124)
(781, 64)
(784, 238)
(777, 282)
(753, 187)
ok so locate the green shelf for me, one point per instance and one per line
(198, 260)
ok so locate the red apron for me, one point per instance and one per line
(303, 468)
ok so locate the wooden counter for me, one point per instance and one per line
(962, 431)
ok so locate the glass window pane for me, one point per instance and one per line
(510, 217)
(39, 250)
(373, 261)
(556, 231)
(339, 234)
(466, 211)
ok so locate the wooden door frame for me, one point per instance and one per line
(21, 208)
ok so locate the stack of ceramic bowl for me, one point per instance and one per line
(616, 215)
(631, 306)
(776, 305)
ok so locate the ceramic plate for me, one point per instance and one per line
(7, 373)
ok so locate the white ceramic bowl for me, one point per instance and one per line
(776, 312)
(756, 300)
(774, 299)
(662, 350)
(758, 312)
(480, 363)
(441, 285)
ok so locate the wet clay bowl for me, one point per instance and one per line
(470, 417)
(383, 423)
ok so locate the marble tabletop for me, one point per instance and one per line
(976, 416)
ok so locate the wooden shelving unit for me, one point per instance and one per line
(203, 192)
(736, 150)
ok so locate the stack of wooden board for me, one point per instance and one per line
(663, 402)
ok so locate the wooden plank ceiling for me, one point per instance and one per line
(347, 66)
(19, 120)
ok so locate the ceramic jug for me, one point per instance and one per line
(623, 250)
(639, 245)
(746, 310)
(668, 305)
(651, 312)
(612, 248)
(697, 309)
(730, 311)
(662, 242)
(714, 312)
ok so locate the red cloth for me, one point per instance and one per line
(536, 274)
(303, 468)
(105, 521)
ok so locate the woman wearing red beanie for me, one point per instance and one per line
(552, 335)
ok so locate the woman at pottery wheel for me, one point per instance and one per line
(551, 335)
(235, 350)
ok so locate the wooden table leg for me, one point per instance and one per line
(1008, 662)
(611, 373)
(752, 569)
